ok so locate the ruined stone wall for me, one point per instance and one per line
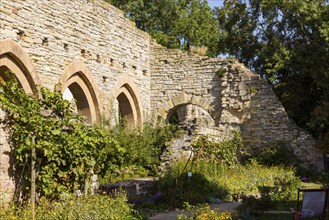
(60, 35)
(179, 77)
(250, 102)
(57, 33)
(236, 99)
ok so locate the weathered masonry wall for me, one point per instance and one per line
(87, 46)
(235, 98)
(181, 77)
(90, 48)
(57, 34)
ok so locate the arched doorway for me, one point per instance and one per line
(125, 103)
(79, 88)
(13, 58)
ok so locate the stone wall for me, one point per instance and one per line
(178, 78)
(56, 34)
(234, 96)
(46, 42)
(92, 44)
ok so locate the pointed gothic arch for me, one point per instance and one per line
(15, 59)
(78, 79)
(126, 93)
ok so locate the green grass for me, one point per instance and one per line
(285, 206)
(275, 216)
(311, 185)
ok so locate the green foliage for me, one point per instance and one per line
(176, 187)
(216, 180)
(276, 154)
(319, 124)
(204, 212)
(269, 197)
(287, 43)
(256, 205)
(67, 150)
(216, 172)
(174, 23)
(87, 207)
(142, 151)
(225, 152)
(220, 72)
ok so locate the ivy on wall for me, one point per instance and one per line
(68, 151)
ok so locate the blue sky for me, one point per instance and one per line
(215, 3)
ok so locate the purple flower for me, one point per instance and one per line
(304, 179)
(157, 195)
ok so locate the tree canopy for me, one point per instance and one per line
(174, 23)
(287, 43)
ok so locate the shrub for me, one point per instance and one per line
(225, 152)
(276, 154)
(216, 173)
(87, 207)
(67, 150)
(142, 151)
(176, 187)
(204, 212)
(258, 204)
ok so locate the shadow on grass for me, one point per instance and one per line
(178, 189)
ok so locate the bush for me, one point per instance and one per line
(87, 207)
(258, 204)
(204, 212)
(276, 154)
(142, 151)
(227, 181)
(224, 152)
(176, 187)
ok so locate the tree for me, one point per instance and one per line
(174, 23)
(287, 42)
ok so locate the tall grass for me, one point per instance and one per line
(210, 179)
(94, 207)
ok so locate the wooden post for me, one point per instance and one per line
(33, 157)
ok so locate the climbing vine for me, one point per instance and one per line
(68, 150)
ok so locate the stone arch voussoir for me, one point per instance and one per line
(13, 57)
(184, 99)
(79, 73)
(126, 86)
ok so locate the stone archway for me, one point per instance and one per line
(78, 79)
(184, 99)
(126, 94)
(15, 59)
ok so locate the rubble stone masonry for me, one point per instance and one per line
(89, 47)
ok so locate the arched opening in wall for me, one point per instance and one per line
(124, 112)
(4, 71)
(67, 95)
(190, 115)
(124, 103)
(14, 59)
(24, 78)
(75, 95)
(126, 115)
(79, 87)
